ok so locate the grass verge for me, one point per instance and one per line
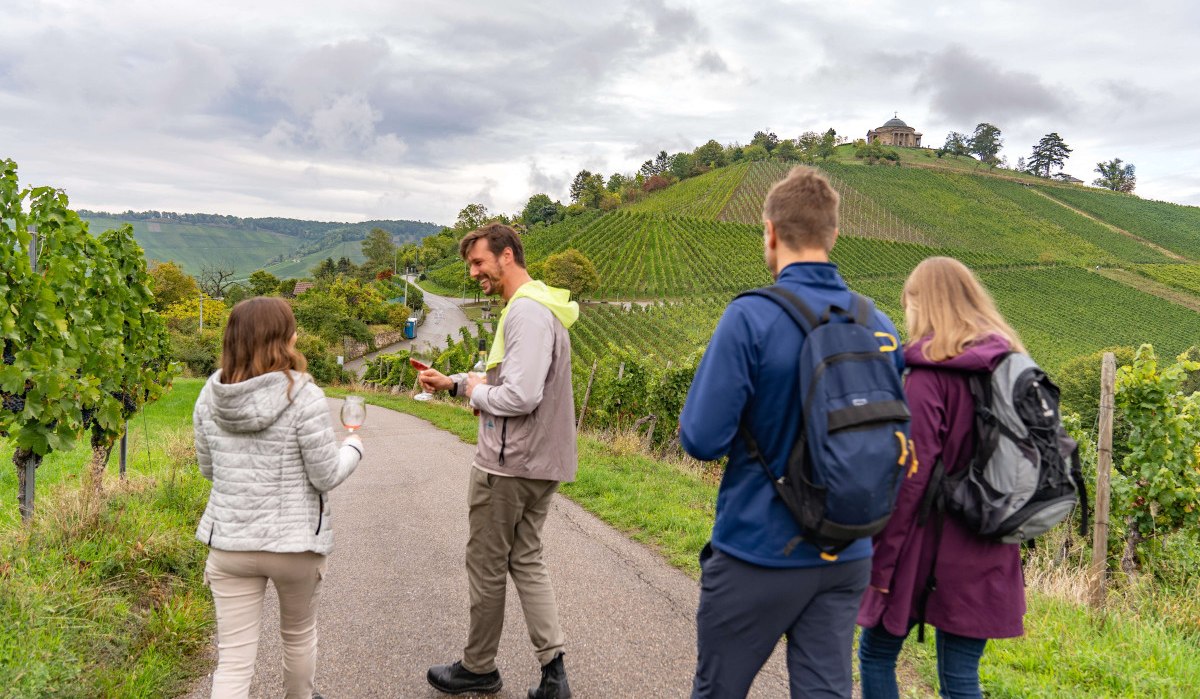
(105, 599)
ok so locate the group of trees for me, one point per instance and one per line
(984, 143)
(592, 190)
(1049, 153)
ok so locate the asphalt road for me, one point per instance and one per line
(443, 317)
(395, 599)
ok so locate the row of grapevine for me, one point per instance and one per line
(697, 197)
(83, 351)
(1180, 276)
(858, 215)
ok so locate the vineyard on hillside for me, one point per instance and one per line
(965, 211)
(1175, 227)
(859, 216)
(697, 197)
(1065, 312)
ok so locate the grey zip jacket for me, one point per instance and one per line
(527, 409)
(271, 461)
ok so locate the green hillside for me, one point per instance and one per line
(1172, 226)
(192, 245)
(247, 244)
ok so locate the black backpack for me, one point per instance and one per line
(1025, 476)
(846, 466)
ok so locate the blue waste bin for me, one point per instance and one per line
(410, 328)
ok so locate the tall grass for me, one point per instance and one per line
(105, 598)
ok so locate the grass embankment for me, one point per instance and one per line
(1140, 648)
(107, 599)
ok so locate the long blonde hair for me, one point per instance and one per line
(258, 340)
(944, 301)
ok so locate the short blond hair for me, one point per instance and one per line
(804, 209)
(944, 302)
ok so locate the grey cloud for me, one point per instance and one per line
(965, 88)
(542, 181)
(711, 62)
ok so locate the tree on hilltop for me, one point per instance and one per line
(541, 209)
(1050, 152)
(1115, 175)
(986, 143)
(766, 139)
(587, 188)
(957, 144)
(711, 154)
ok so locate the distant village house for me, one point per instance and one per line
(895, 132)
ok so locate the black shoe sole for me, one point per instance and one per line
(486, 689)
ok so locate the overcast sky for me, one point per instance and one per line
(363, 109)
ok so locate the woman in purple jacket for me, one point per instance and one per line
(980, 592)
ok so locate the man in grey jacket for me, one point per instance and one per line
(526, 447)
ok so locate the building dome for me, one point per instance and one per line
(894, 121)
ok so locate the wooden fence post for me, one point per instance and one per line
(1099, 571)
(31, 461)
(586, 395)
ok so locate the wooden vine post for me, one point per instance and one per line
(586, 395)
(1099, 568)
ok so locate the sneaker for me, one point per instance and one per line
(554, 681)
(456, 679)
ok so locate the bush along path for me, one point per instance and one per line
(395, 599)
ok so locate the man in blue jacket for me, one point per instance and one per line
(755, 588)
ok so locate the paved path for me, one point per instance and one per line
(395, 599)
(443, 317)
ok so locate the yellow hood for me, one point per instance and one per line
(557, 300)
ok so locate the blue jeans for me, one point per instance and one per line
(957, 664)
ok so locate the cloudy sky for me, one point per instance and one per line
(364, 109)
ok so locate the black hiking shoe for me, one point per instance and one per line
(456, 679)
(554, 681)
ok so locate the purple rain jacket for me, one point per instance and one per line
(981, 589)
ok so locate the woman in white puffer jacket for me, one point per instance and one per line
(265, 440)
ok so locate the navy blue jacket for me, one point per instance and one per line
(751, 369)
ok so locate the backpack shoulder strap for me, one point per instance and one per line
(789, 302)
(863, 309)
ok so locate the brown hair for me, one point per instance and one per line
(258, 341)
(944, 301)
(804, 208)
(499, 236)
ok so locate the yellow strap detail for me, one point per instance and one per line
(888, 348)
(903, 449)
(828, 556)
(913, 471)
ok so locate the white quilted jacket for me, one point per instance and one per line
(271, 462)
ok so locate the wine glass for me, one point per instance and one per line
(421, 359)
(354, 413)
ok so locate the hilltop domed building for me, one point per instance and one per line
(895, 132)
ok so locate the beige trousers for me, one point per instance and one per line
(506, 517)
(238, 580)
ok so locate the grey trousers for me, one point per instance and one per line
(506, 516)
(745, 609)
